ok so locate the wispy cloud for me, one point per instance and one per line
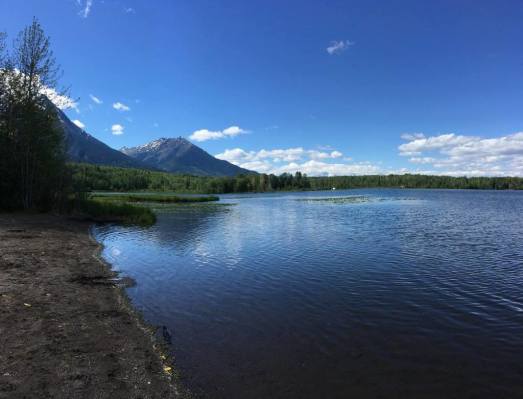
(130, 10)
(95, 99)
(117, 129)
(338, 46)
(412, 136)
(205, 134)
(79, 124)
(121, 107)
(461, 155)
(85, 7)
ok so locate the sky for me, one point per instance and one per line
(324, 87)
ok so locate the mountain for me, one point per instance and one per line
(178, 155)
(82, 147)
(170, 155)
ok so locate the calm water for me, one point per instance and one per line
(388, 294)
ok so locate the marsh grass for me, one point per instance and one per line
(200, 207)
(355, 199)
(108, 211)
(154, 198)
(115, 207)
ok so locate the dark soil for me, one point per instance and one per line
(66, 327)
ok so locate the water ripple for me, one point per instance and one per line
(361, 293)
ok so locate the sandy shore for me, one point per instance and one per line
(66, 330)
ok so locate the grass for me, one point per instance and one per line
(106, 211)
(154, 198)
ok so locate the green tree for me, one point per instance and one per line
(32, 149)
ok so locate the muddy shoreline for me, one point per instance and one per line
(67, 329)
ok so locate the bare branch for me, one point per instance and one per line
(34, 60)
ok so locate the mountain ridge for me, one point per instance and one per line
(85, 148)
(179, 155)
(174, 155)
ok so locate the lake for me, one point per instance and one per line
(376, 293)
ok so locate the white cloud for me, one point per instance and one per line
(79, 124)
(287, 155)
(422, 160)
(205, 134)
(277, 155)
(417, 145)
(317, 168)
(121, 107)
(313, 154)
(235, 155)
(318, 154)
(117, 129)
(60, 100)
(130, 10)
(85, 7)
(233, 131)
(291, 160)
(339, 46)
(95, 99)
(467, 155)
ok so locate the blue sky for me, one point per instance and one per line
(330, 87)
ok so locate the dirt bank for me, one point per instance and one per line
(66, 330)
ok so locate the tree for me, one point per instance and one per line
(7, 180)
(32, 148)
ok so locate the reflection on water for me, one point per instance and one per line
(411, 293)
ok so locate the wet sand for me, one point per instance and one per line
(66, 329)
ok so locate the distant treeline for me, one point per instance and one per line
(105, 178)
(418, 181)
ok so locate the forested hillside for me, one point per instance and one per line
(92, 177)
